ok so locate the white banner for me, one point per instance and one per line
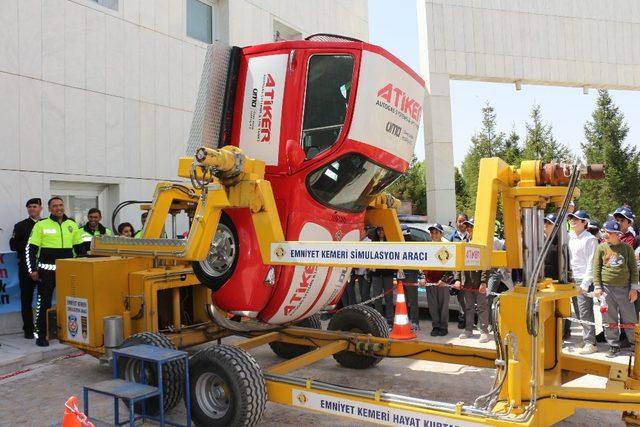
(388, 107)
(370, 412)
(365, 254)
(77, 320)
(262, 107)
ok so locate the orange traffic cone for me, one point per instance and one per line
(401, 328)
(69, 419)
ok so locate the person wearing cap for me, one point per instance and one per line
(615, 275)
(460, 235)
(438, 291)
(625, 217)
(473, 285)
(582, 247)
(18, 244)
(382, 282)
(410, 280)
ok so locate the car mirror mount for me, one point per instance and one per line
(295, 155)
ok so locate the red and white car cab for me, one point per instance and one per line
(335, 122)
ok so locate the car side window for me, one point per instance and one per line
(329, 79)
(419, 235)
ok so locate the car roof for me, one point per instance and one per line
(424, 226)
(407, 218)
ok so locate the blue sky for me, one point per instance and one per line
(394, 26)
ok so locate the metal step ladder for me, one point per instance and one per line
(132, 393)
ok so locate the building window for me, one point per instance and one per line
(200, 21)
(111, 4)
(284, 32)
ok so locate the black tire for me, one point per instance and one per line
(213, 277)
(172, 373)
(227, 387)
(289, 351)
(361, 319)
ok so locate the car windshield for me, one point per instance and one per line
(349, 182)
(326, 99)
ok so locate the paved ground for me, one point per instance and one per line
(36, 398)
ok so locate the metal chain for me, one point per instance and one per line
(80, 416)
(460, 290)
(604, 325)
(370, 300)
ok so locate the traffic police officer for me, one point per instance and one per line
(92, 228)
(51, 239)
(143, 220)
(18, 243)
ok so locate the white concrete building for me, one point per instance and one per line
(96, 96)
(587, 43)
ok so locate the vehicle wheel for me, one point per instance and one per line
(227, 387)
(361, 319)
(216, 269)
(172, 373)
(289, 351)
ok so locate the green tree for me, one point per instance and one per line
(462, 195)
(411, 187)
(539, 143)
(605, 135)
(512, 154)
(487, 142)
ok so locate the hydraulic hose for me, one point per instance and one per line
(532, 326)
(122, 205)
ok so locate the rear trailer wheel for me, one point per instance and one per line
(289, 351)
(227, 387)
(222, 258)
(172, 373)
(361, 319)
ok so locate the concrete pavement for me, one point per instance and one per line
(36, 397)
(16, 352)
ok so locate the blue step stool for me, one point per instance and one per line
(132, 392)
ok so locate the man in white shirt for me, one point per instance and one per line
(582, 246)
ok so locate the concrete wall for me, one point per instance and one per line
(585, 43)
(93, 95)
(89, 94)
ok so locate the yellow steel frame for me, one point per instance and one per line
(250, 191)
(536, 370)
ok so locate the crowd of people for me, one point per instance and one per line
(38, 243)
(471, 288)
(603, 265)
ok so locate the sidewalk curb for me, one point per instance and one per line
(17, 352)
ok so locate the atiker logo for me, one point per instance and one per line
(266, 119)
(396, 97)
(308, 276)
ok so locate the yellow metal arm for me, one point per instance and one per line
(226, 178)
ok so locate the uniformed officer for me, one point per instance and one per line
(18, 243)
(143, 220)
(51, 239)
(93, 227)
